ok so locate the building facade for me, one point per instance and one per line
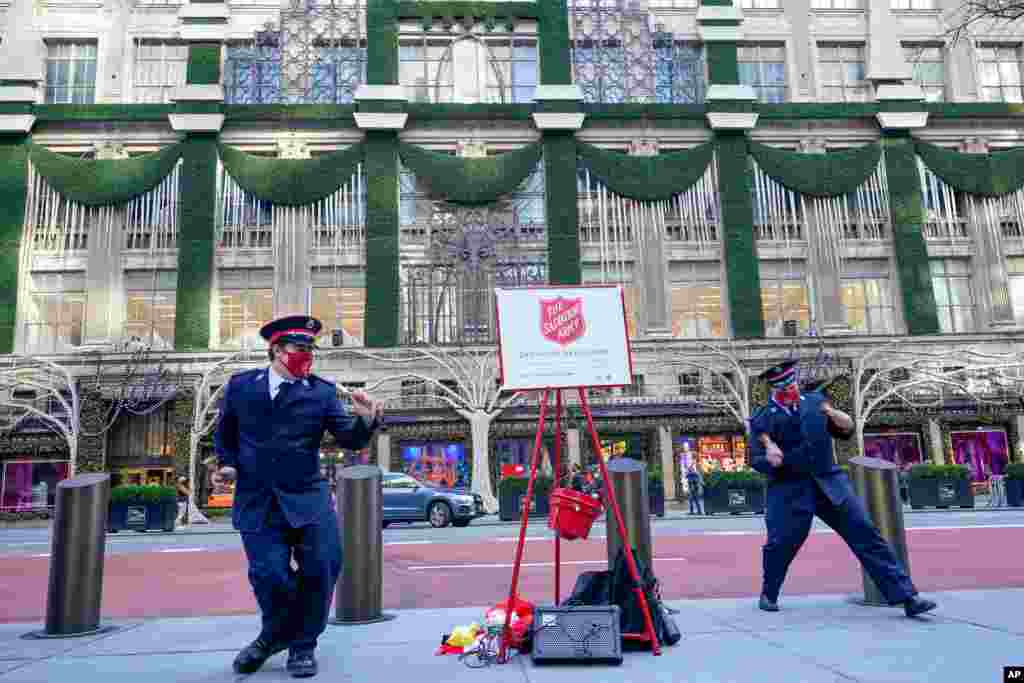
(754, 175)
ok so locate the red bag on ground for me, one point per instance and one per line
(520, 628)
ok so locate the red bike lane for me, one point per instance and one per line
(440, 575)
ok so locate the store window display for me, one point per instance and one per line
(985, 452)
(901, 448)
(726, 452)
(442, 463)
(29, 486)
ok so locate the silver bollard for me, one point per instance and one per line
(629, 477)
(76, 558)
(360, 591)
(877, 483)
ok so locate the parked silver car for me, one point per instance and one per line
(407, 499)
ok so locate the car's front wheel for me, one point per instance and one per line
(439, 514)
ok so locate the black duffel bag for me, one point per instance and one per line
(615, 587)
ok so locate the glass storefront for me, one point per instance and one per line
(31, 485)
(984, 451)
(902, 448)
(442, 463)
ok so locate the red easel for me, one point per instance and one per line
(648, 635)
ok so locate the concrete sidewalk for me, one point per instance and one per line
(814, 639)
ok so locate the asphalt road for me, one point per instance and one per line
(35, 542)
(432, 572)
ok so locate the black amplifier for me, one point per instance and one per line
(577, 634)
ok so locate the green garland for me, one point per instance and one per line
(743, 277)
(995, 173)
(820, 175)
(468, 180)
(203, 64)
(103, 112)
(919, 308)
(561, 208)
(647, 178)
(554, 44)
(291, 182)
(102, 182)
(13, 193)
(196, 246)
(382, 294)
(381, 42)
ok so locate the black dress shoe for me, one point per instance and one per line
(915, 606)
(301, 664)
(767, 605)
(255, 654)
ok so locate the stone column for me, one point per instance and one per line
(828, 304)
(651, 275)
(292, 268)
(936, 442)
(667, 471)
(886, 63)
(104, 276)
(384, 451)
(572, 440)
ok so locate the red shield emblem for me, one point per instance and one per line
(561, 320)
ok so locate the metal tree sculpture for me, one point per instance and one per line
(469, 387)
(923, 380)
(37, 390)
(717, 378)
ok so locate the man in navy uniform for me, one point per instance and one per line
(791, 443)
(268, 436)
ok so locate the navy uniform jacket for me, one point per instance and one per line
(276, 450)
(805, 438)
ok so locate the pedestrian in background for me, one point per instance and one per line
(272, 421)
(695, 482)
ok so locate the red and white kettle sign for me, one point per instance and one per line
(561, 320)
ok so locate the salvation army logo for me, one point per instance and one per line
(561, 320)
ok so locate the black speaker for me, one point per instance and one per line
(577, 634)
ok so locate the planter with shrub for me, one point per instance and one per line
(142, 508)
(734, 492)
(940, 486)
(512, 492)
(1015, 484)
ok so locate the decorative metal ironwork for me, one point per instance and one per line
(612, 55)
(314, 53)
(449, 298)
(617, 57)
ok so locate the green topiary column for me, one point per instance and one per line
(561, 208)
(742, 274)
(13, 192)
(919, 308)
(382, 295)
(196, 230)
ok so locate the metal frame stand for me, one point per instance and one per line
(649, 634)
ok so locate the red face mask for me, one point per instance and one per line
(299, 363)
(788, 395)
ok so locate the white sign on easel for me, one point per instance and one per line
(563, 337)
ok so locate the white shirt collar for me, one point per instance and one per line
(276, 380)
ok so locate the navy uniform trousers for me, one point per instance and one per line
(791, 507)
(295, 601)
